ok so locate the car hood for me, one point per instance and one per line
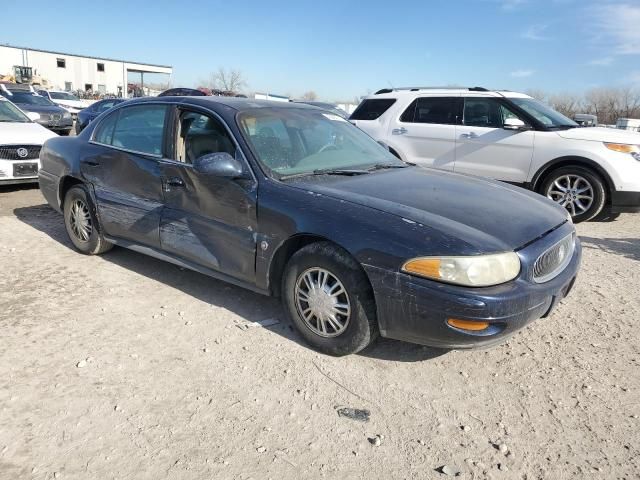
(488, 215)
(599, 134)
(15, 133)
(77, 104)
(28, 107)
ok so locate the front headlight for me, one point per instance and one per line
(472, 271)
(623, 148)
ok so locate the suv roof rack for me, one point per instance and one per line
(16, 87)
(417, 89)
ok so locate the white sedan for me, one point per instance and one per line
(20, 142)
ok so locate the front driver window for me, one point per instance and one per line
(199, 135)
(482, 112)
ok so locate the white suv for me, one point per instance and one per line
(511, 137)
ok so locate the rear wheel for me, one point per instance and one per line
(578, 189)
(81, 222)
(327, 296)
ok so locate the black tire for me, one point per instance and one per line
(598, 191)
(77, 197)
(360, 326)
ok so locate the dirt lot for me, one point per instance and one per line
(124, 367)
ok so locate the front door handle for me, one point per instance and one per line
(173, 182)
(399, 131)
(469, 135)
(91, 163)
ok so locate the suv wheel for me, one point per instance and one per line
(82, 223)
(327, 296)
(578, 189)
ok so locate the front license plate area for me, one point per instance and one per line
(25, 169)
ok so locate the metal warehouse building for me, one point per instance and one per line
(71, 72)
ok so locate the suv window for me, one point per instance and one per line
(199, 135)
(139, 128)
(372, 108)
(439, 110)
(485, 112)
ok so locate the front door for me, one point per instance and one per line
(208, 220)
(484, 148)
(426, 131)
(121, 162)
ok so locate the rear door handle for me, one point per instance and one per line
(399, 131)
(469, 135)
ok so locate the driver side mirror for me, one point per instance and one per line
(219, 164)
(33, 116)
(515, 124)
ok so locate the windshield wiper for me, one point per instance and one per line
(326, 171)
(384, 166)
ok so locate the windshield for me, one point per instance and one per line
(30, 98)
(10, 113)
(543, 113)
(292, 141)
(63, 96)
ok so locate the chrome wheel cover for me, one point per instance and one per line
(80, 220)
(322, 302)
(573, 192)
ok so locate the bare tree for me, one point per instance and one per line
(229, 80)
(538, 94)
(566, 103)
(310, 95)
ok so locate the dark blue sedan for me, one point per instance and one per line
(294, 201)
(89, 114)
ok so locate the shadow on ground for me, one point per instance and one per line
(244, 303)
(627, 247)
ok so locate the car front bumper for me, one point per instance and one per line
(625, 202)
(416, 310)
(19, 171)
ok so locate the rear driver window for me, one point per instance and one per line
(138, 128)
(372, 108)
(440, 110)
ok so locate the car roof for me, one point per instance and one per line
(436, 91)
(236, 103)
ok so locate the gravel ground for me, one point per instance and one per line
(124, 367)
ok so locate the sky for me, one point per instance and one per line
(344, 49)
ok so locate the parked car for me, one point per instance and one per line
(333, 108)
(286, 199)
(182, 92)
(586, 119)
(50, 115)
(509, 136)
(66, 100)
(20, 142)
(89, 114)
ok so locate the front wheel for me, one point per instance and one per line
(327, 296)
(581, 191)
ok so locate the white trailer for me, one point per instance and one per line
(632, 124)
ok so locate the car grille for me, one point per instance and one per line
(553, 261)
(12, 152)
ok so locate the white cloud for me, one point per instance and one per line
(619, 26)
(601, 62)
(522, 73)
(511, 4)
(535, 32)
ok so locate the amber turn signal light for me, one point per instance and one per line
(468, 325)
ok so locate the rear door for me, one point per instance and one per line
(485, 148)
(425, 132)
(208, 220)
(122, 163)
